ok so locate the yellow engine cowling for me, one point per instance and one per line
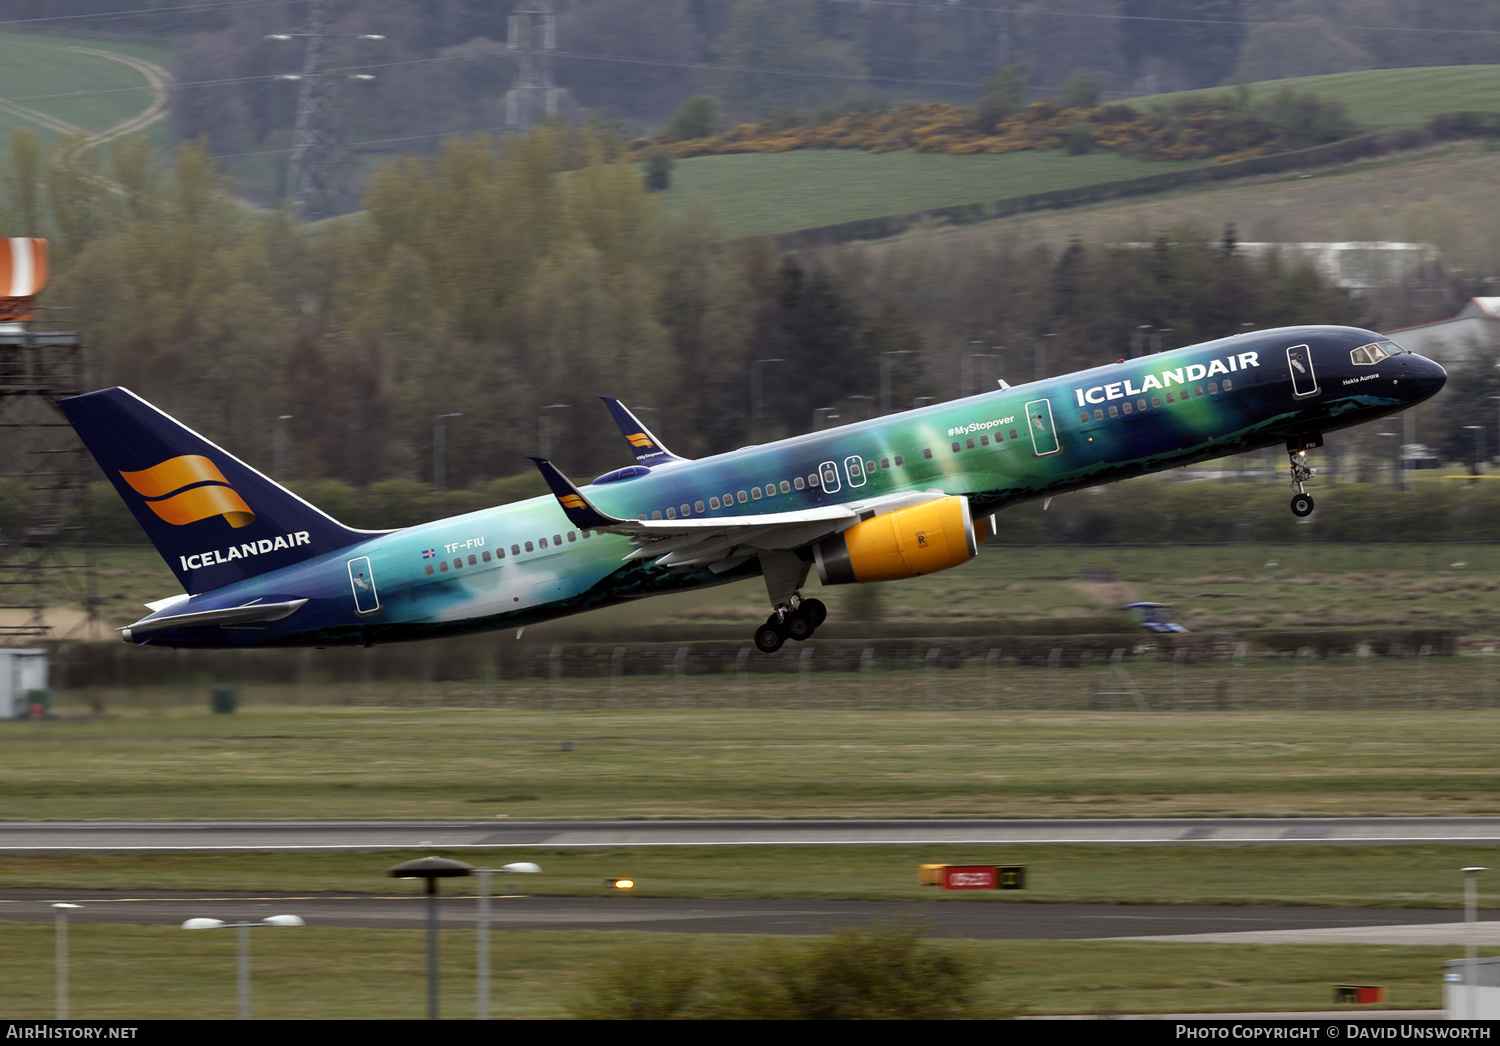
(915, 541)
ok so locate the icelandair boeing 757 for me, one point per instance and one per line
(894, 497)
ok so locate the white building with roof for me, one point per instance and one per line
(1475, 331)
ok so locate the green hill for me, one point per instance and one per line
(1384, 99)
(53, 84)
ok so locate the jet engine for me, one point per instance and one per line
(911, 542)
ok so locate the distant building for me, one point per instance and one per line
(1355, 265)
(1474, 331)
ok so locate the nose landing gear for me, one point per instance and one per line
(1296, 449)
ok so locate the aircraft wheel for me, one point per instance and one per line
(800, 624)
(1302, 505)
(769, 637)
(816, 611)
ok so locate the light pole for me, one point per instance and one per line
(1395, 457)
(968, 368)
(278, 446)
(62, 908)
(823, 417)
(544, 430)
(244, 957)
(482, 937)
(1138, 339)
(885, 378)
(1478, 445)
(1471, 924)
(1156, 339)
(438, 432)
(1041, 356)
(757, 393)
(431, 869)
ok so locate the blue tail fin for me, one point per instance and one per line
(214, 519)
(649, 450)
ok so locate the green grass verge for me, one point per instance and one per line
(49, 75)
(162, 972)
(1383, 99)
(762, 193)
(477, 763)
(1303, 875)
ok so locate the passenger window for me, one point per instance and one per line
(969, 443)
(572, 537)
(713, 502)
(684, 510)
(443, 566)
(541, 542)
(530, 547)
(587, 534)
(654, 515)
(786, 488)
(486, 556)
(900, 461)
(885, 463)
(742, 497)
(1126, 407)
(798, 483)
(755, 493)
(812, 479)
(429, 570)
(458, 563)
(1197, 390)
(1013, 434)
(927, 453)
(830, 476)
(698, 507)
(557, 539)
(499, 553)
(1213, 388)
(956, 446)
(770, 490)
(869, 467)
(1114, 411)
(1156, 401)
(1099, 414)
(1140, 404)
(671, 513)
(1083, 416)
(1228, 385)
(984, 441)
(473, 560)
(1170, 399)
(515, 550)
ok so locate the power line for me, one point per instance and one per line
(127, 13)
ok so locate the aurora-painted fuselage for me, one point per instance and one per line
(517, 564)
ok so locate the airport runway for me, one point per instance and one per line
(313, 836)
(941, 917)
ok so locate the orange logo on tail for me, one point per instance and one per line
(572, 501)
(161, 485)
(640, 439)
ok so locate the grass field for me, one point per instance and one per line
(760, 193)
(52, 80)
(1383, 99)
(1292, 875)
(476, 763)
(122, 972)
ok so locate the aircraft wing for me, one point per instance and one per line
(722, 542)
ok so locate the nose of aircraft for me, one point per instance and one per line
(1427, 377)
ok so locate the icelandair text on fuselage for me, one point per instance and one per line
(250, 548)
(1118, 390)
(1382, 1030)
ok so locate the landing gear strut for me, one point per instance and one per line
(1302, 502)
(796, 621)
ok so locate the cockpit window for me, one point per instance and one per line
(1369, 355)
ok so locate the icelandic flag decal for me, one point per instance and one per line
(430, 553)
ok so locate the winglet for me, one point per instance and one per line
(575, 506)
(648, 449)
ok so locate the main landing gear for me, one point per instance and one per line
(797, 622)
(1296, 449)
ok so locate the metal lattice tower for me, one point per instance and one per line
(533, 97)
(47, 465)
(321, 163)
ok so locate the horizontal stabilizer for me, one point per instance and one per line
(580, 512)
(648, 449)
(225, 616)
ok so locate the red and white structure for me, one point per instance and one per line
(23, 275)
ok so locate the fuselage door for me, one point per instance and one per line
(1039, 423)
(1299, 363)
(828, 473)
(854, 468)
(362, 581)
